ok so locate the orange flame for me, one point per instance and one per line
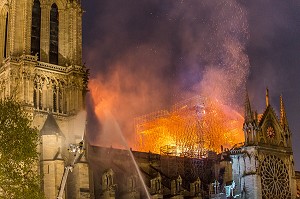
(191, 131)
(185, 131)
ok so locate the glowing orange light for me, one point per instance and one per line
(190, 131)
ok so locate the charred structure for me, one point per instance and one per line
(240, 172)
(160, 173)
(191, 129)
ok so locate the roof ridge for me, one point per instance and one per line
(51, 127)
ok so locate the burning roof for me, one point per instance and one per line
(190, 129)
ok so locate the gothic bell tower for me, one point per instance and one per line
(264, 166)
(41, 65)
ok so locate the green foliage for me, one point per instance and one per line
(18, 153)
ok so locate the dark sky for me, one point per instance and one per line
(148, 54)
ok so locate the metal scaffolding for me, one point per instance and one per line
(174, 133)
(191, 129)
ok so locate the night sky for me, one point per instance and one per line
(144, 55)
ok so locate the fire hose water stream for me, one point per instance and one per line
(124, 142)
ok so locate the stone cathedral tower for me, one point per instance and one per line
(41, 64)
(264, 166)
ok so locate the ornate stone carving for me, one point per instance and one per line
(274, 178)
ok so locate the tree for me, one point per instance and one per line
(19, 176)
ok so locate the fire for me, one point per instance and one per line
(190, 129)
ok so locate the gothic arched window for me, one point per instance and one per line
(4, 32)
(59, 99)
(35, 98)
(36, 28)
(40, 99)
(5, 36)
(54, 99)
(53, 53)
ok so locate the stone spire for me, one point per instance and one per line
(248, 110)
(283, 119)
(267, 98)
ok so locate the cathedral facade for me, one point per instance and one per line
(41, 65)
(263, 167)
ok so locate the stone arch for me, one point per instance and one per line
(4, 8)
(197, 186)
(155, 184)
(281, 143)
(4, 26)
(3, 3)
(131, 183)
(37, 78)
(36, 19)
(54, 34)
(44, 79)
(61, 4)
(108, 179)
(54, 81)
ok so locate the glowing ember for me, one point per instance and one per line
(190, 130)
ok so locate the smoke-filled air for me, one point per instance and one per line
(155, 55)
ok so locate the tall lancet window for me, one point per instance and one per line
(5, 36)
(53, 53)
(36, 28)
(55, 99)
(35, 91)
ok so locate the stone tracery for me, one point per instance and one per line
(274, 178)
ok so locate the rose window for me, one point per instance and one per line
(274, 179)
(270, 132)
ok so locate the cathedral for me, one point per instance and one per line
(41, 65)
(262, 167)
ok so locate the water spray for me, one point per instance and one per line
(131, 156)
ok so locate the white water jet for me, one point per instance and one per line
(118, 130)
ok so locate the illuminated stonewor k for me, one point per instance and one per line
(190, 129)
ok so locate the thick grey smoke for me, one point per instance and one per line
(149, 54)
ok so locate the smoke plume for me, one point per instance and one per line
(150, 54)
